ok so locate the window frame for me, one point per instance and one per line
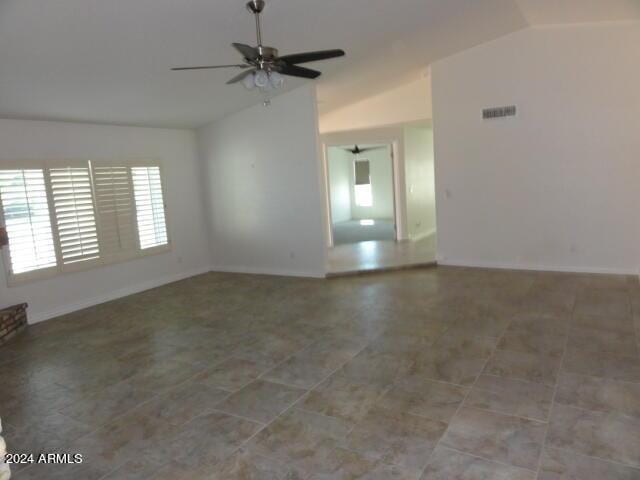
(59, 269)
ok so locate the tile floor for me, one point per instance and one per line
(355, 231)
(436, 374)
(380, 255)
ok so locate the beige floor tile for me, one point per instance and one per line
(599, 394)
(132, 436)
(209, 439)
(84, 471)
(343, 397)
(537, 368)
(608, 436)
(622, 324)
(447, 366)
(232, 374)
(261, 401)
(565, 465)
(348, 465)
(164, 375)
(418, 396)
(304, 441)
(245, 465)
(395, 438)
(601, 340)
(135, 470)
(307, 368)
(602, 365)
(447, 464)
(602, 302)
(531, 323)
(501, 438)
(95, 409)
(511, 397)
(184, 403)
(550, 344)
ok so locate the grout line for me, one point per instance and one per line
(487, 459)
(600, 459)
(601, 412)
(523, 417)
(555, 388)
(223, 412)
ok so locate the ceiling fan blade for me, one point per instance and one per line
(293, 71)
(208, 67)
(247, 51)
(306, 57)
(241, 76)
(370, 149)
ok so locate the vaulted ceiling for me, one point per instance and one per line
(108, 61)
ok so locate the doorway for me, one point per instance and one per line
(369, 228)
(361, 191)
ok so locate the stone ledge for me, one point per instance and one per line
(13, 320)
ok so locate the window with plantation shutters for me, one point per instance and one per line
(74, 213)
(66, 216)
(149, 202)
(26, 215)
(114, 206)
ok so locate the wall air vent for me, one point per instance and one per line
(499, 112)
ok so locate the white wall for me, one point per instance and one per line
(421, 194)
(176, 149)
(557, 187)
(340, 175)
(381, 172)
(407, 103)
(262, 173)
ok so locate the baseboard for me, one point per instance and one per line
(267, 271)
(536, 268)
(123, 292)
(422, 236)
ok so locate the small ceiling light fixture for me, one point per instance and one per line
(263, 80)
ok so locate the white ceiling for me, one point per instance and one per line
(108, 61)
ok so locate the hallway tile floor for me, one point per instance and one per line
(435, 374)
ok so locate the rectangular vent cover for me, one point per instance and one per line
(499, 112)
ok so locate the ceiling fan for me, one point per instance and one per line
(262, 66)
(357, 150)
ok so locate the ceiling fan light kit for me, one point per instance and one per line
(262, 67)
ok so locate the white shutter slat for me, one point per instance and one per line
(149, 201)
(75, 214)
(114, 202)
(27, 219)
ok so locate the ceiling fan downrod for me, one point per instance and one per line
(257, 6)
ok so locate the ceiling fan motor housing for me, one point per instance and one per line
(267, 54)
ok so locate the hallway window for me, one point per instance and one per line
(362, 191)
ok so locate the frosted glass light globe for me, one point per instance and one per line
(249, 81)
(277, 80)
(261, 78)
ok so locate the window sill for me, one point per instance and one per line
(46, 274)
